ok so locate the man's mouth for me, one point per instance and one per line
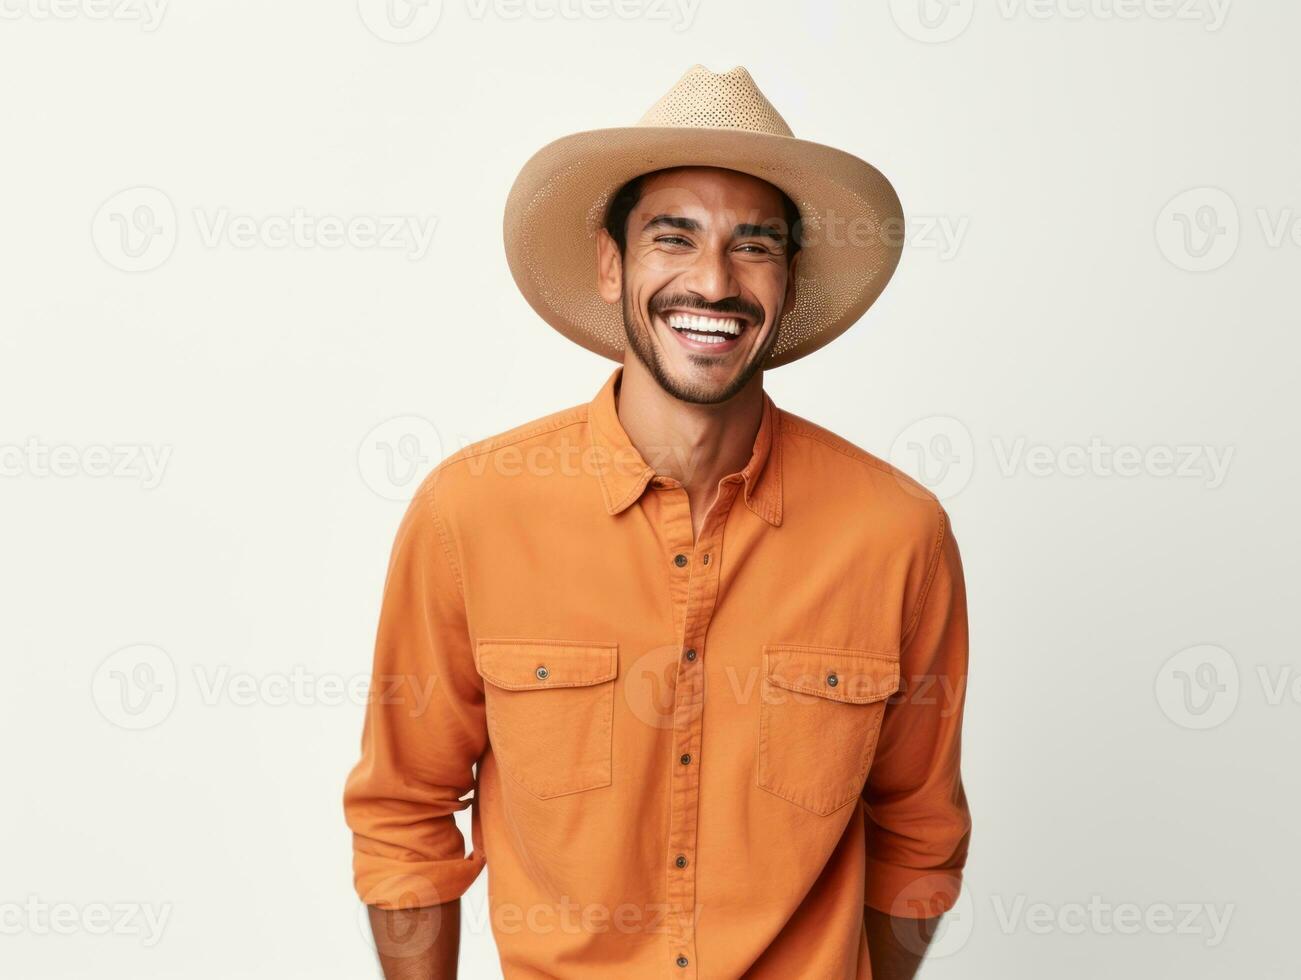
(705, 331)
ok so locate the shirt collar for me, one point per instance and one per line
(624, 474)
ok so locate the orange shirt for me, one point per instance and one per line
(686, 759)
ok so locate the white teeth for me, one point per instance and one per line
(698, 326)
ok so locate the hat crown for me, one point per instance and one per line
(703, 99)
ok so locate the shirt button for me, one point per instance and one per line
(832, 680)
(682, 961)
(681, 862)
(542, 673)
(680, 560)
(686, 759)
(691, 654)
(705, 560)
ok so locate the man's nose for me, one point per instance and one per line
(710, 276)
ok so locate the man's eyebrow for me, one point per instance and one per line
(761, 231)
(672, 221)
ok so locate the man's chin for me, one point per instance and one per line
(700, 384)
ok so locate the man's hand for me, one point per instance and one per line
(896, 945)
(418, 944)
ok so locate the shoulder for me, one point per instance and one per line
(466, 474)
(819, 463)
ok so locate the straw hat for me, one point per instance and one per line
(851, 218)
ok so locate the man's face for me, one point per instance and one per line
(703, 280)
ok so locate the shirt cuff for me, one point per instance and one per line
(910, 893)
(389, 884)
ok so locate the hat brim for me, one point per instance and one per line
(852, 226)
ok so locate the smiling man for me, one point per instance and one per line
(697, 663)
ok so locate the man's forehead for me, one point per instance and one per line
(700, 190)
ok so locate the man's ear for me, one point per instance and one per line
(788, 302)
(609, 267)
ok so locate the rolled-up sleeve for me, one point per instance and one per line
(424, 727)
(918, 823)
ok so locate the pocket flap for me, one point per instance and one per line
(850, 676)
(532, 665)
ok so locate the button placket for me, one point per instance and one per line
(701, 593)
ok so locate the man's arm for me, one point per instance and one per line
(895, 945)
(424, 731)
(418, 944)
(918, 823)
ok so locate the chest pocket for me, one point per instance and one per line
(550, 705)
(819, 720)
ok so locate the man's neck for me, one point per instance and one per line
(697, 445)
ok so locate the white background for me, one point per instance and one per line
(1103, 204)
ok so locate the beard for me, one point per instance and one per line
(639, 340)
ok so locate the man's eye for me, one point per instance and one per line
(753, 249)
(672, 240)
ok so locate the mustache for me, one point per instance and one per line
(731, 306)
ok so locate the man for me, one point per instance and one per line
(697, 663)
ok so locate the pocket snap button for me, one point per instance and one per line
(543, 673)
(832, 680)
